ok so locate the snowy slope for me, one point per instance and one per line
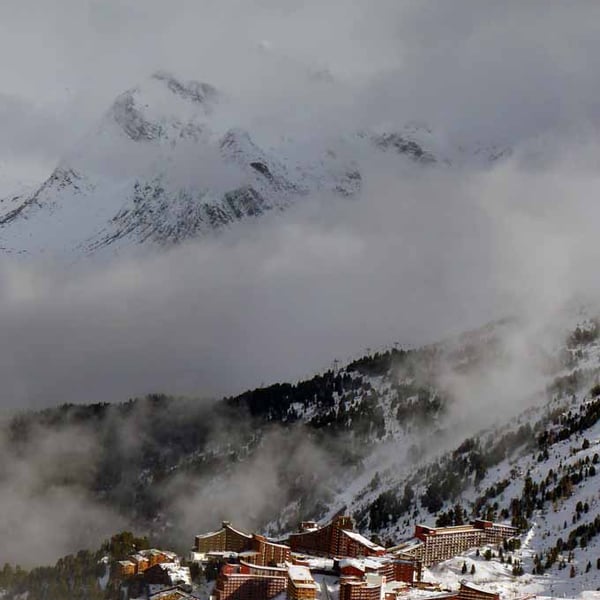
(552, 447)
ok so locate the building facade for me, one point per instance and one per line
(226, 539)
(470, 592)
(338, 538)
(370, 588)
(393, 569)
(143, 560)
(252, 548)
(236, 582)
(441, 543)
(300, 584)
(269, 553)
(173, 593)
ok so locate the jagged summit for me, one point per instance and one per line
(195, 91)
(162, 107)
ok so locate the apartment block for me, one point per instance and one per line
(337, 538)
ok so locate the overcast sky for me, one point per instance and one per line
(421, 254)
(485, 70)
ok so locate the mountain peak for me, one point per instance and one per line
(195, 91)
(162, 102)
(131, 119)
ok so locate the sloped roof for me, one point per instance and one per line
(361, 539)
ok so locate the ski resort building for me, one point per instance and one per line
(232, 542)
(468, 591)
(143, 560)
(226, 539)
(370, 588)
(172, 593)
(125, 568)
(401, 570)
(338, 538)
(300, 584)
(435, 544)
(267, 552)
(243, 582)
(167, 575)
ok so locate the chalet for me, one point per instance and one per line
(143, 560)
(125, 568)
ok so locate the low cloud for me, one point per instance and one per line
(424, 253)
(47, 508)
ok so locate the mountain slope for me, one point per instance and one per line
(385, 438)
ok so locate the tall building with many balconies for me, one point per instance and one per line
(337, 538)
(301, 585)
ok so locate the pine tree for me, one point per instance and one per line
(473, 569)
(464, 568)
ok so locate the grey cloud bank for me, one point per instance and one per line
(490, 72)
(423, 254)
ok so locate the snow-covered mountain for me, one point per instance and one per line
(162, 166)
(168, 162)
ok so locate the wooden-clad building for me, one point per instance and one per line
(372, 587)
(226, 539)
(300, 584)
(393, 569)
(441, 543)
(468, 591)
(269, 553)
(237, 582)
(337, 538)
(143, 560)
(252, 548)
